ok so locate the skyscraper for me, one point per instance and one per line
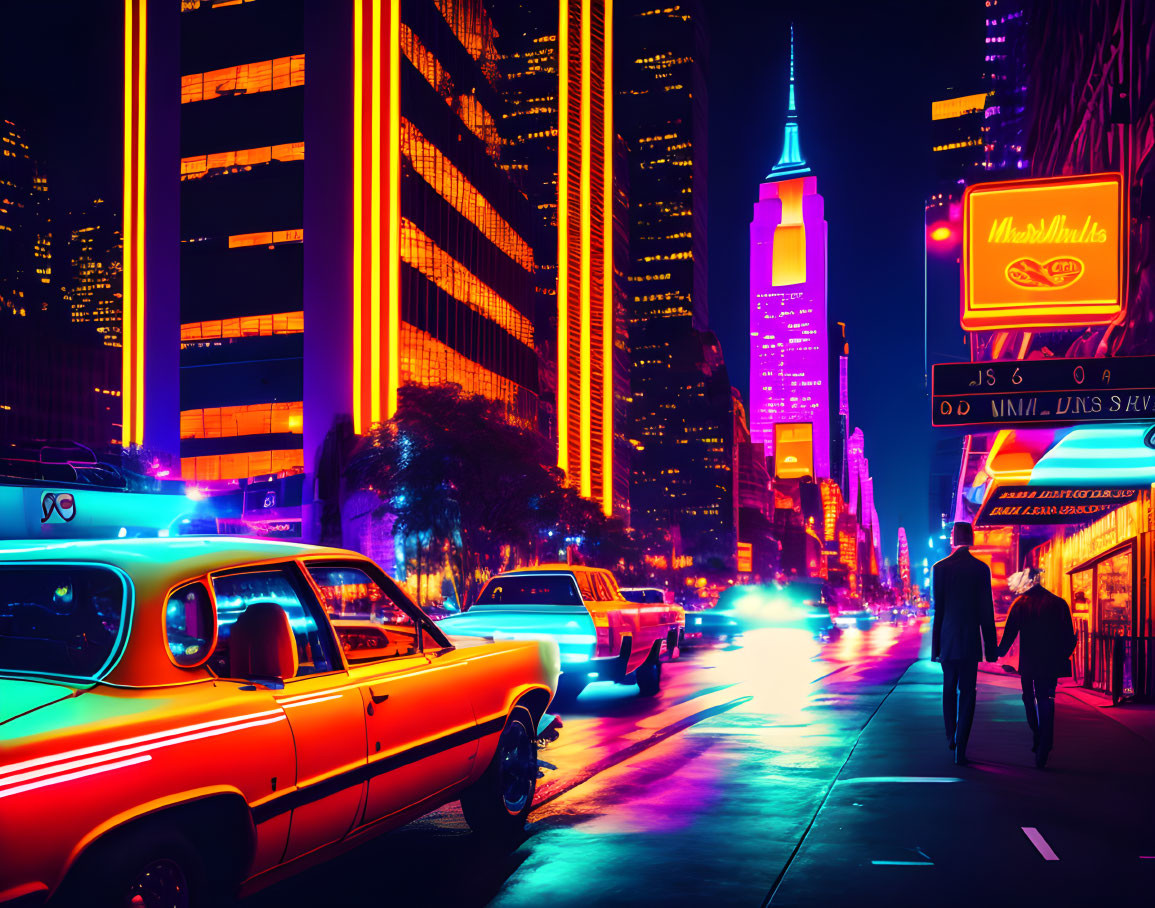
(681, 416)
(418, 266)
(558, 127)
(91, 276)
(26, 228)
(789, 366)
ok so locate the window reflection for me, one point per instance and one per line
(246, 79)
(248, 419)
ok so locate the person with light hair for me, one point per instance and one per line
(1043, 620)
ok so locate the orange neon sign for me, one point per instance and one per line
(1043, 253)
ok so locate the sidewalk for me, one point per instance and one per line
(902, 825)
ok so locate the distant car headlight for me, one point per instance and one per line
(697, 620)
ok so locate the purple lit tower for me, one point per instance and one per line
(789, 363)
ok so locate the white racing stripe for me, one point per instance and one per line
(55, 780)
(126, 742)
(11, 784)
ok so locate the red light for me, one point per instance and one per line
(941, 233)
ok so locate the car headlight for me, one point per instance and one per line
(697, 620)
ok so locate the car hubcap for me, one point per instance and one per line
(161, 884)
(518, 768)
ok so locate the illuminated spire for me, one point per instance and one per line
(791, 163)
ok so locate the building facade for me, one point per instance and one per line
(682, 479)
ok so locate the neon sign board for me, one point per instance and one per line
(1043, 391)
(1015, 505)
(1043, 253)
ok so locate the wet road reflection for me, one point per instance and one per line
(695, 796)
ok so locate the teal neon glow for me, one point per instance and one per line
(1094, 456)
(791, 163)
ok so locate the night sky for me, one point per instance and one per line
(866, 74)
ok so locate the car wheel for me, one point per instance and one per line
(649, 675)
(498, 803)
(152, 866)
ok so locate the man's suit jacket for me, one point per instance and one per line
(963, 606)
(1044, 620)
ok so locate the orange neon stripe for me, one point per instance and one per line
(563, 238)
(585, 363)
(358, 138)
(393, 316)
(375, 218)
(608, 263)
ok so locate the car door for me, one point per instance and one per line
(419, 719)
(325, 711)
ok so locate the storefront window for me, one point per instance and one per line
(1113, 594)
(1081, 592)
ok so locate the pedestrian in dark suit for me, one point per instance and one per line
(1048, 639)
(963, 609)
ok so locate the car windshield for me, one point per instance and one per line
(543, 589)
(60, 620)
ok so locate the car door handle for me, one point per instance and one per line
(377, 696)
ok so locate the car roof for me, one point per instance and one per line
(553, 568)
(155, 566)
(153, 559)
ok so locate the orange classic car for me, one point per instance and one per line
(601, 635)
(185, 719)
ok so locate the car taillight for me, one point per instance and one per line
(602, 625)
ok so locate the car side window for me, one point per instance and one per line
(611, 586)
(188, 624)
(236, 592)
(370, 625)
(601, 588)
(585, 585)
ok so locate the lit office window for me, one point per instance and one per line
(246, 79)
(211, 165)
(245, 326)
(419, 250)
(241, 466)
(266, 238)
(427, 361)
(453, 186)
(247, 419)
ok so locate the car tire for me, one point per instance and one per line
(649, 676)
(497, 804)
(152, 863)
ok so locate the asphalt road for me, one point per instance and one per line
(699, 796)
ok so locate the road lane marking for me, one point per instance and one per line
(903, 863)
(900, 779)
(1040, 843)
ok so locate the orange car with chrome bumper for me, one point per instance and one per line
(211, 714)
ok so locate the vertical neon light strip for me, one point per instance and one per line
(375, 218)
(127, 398)
(393, 238)
(132, 351)
(585, 362)
(608, 263)
(563, 236)
(141, 98)
(358, 207)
